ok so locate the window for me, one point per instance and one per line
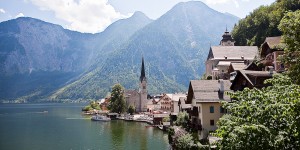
(211, 109)
(222, 110)
(212, 122)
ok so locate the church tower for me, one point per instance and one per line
(143, 89)
(227, 39)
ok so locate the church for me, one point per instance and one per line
(138, 98)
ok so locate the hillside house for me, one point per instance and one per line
(250, 79)
(205, 97)
(271, 50)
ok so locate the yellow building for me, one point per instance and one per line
(205, 97)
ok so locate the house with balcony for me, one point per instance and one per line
(271, 50)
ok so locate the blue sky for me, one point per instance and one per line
(94, 16)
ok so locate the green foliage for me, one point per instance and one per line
(131, 109)
(209, 77)
(182, 120)
(87, 108)
(185, 142)
(262, 119)
(262, 23)
(166, 119)
(290, 27)
(117, 100)
(92, 105)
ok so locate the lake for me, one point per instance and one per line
(62, 127)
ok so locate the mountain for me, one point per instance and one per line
(174, 47)
(37, 58)
(43, 61)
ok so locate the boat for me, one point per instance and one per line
(100, 118)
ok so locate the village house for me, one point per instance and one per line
(221, 57)
(251, 79)
(152, 105)
(205, 96)
(165, 103)
(175, 100)
(271, 50)
(138, 98)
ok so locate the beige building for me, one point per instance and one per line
(175, 99)
(205, 97)
(220, 57)
(165, 103)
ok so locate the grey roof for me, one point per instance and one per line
(129, 93)
(246, 74)
(210, 97)
(273, 41)
(224, 63)
(234, 52)
(238, 66)
(208, 90)
(176, 97)
(209, 85)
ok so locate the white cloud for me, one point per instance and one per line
(82, 15)
(2, 11)
(19, 15)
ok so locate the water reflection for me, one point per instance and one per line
(117, 134)
(63, 127)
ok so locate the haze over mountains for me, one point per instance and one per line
(43, 61)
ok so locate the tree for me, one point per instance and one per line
(183, 120)
(131, 109)
(262, 119)
(262, 22)
(290, 27)
(117, 100)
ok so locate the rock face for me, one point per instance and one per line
(50, 61)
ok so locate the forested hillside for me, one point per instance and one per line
(262, 22)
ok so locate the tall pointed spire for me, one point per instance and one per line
(143, 75)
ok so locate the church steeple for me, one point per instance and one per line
(227, 39)
(143, 75)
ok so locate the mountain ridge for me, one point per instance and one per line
(174, 46)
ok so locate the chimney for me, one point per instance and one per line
(221, 89)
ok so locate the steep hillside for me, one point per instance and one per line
(37, 58)
(174, 46)
(262, 22)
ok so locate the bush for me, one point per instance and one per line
(166, 119)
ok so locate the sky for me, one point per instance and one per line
(93, 16)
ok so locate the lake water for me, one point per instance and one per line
(28, 127)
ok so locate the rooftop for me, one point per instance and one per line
(234, 52)
(273, 41)
(238, 66)
(209, 85)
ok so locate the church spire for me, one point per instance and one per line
(227, 39)
(143, 75)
